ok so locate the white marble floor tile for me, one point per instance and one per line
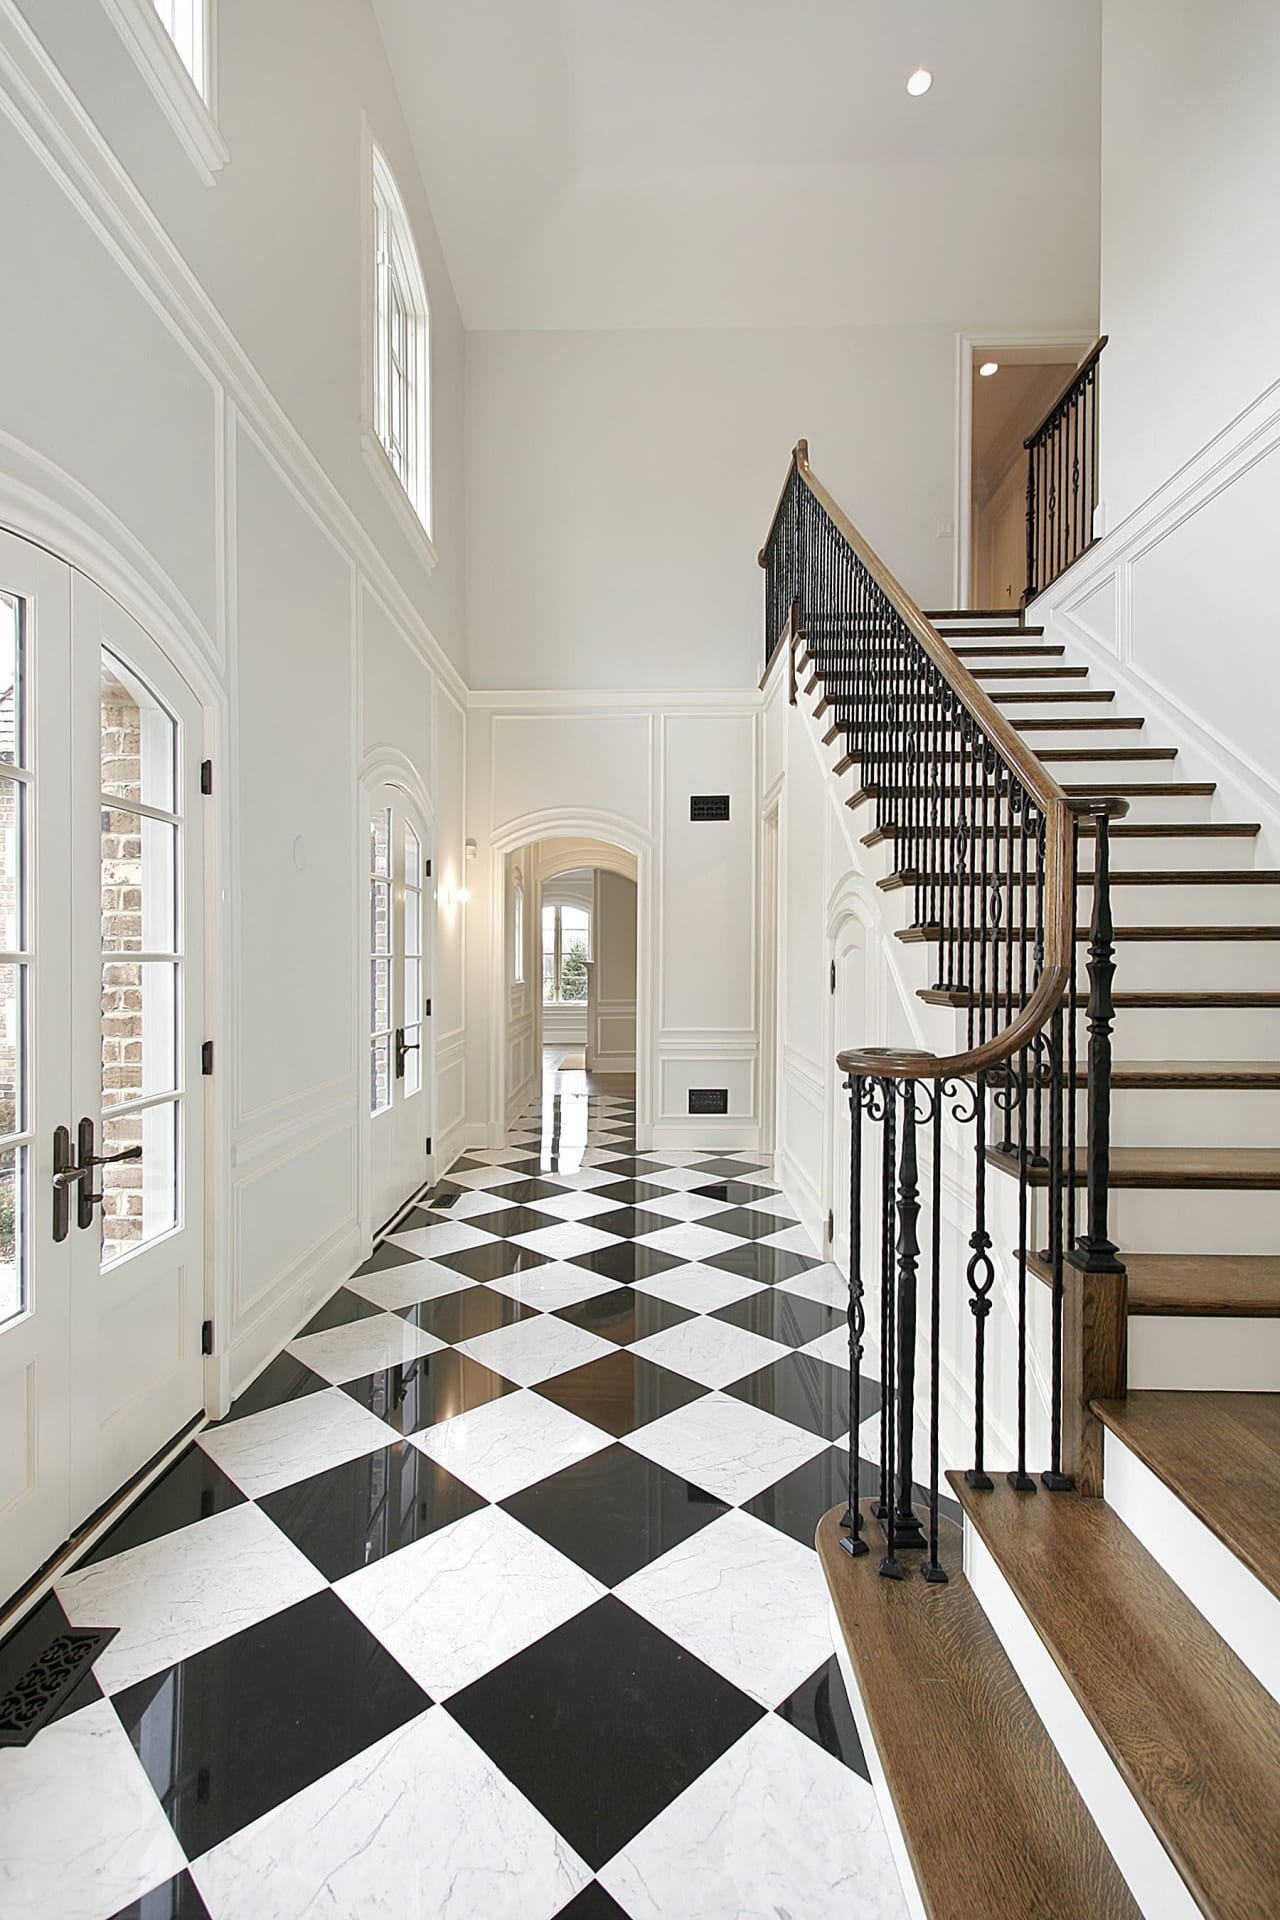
(81, 1831)
(677, 1179)
(775, 1828)
(564, 1239)
(421, 1826)
(448, 1236)
(731, 1449)
(833, 1347)
(537, 1349)
(591, 1180)
(775, 1204)
(460, 1602)
(487, 1199)
(575, 1205)
(291, 1442)
(187, 1590)
(510, 1443)
(826, 1284)
(363, 1346)
(405, 1286)
(492, 1174)
(749, 1601)
(556, 1285)
(792, 1240)
(710, 1351)
(700, 1288)
(690, 1240)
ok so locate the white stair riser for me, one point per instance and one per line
(1205, 1353)
(1184, 965)
(1154, 1881)
(1199, 1220)
(1196, 1033)
(1183, 1117)
(1232, 1600)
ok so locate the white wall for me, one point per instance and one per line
(620, 484)
(1190, 212)
(622, 770)
(180, 398)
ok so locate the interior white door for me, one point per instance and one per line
(399, 923)
(102, 1219)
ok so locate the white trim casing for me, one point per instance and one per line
(192, 115)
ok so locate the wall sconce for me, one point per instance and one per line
(454, 896)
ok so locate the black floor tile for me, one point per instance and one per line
(284, 1379)
(768, 1264)
(341, 1309)
(352, 1515)
(593, 1903)
(795, 1505)
(624, 1315)
(602, 1723)
(630, 1223)
(782, 1316)
(177, 1899)
(383, 1258)
(419, 1217)
(630, 1193)
(734, 1193)
(804, 1390)
(464, 1315)
(522, 1192)
(821, 1709)
(614, 1512)
(621, 1391)
(748, 1224)
(492, 1261)
(626, 1262)
(506, 1222)
(192, 1489)
(726, 1167)
(245, 1724)
(428, 1390)
(25, 1644)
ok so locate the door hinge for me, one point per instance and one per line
(831, 1228)
(206, 776)
(206, 1337)
(206, 1057)
(833, 976)
(427, 1011)
(428, 1143)
(427, 874)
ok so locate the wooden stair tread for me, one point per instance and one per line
(977, 613)
(1062, 755)
(1046, 696)
(1079, 723)
(1195, 1737)
(996, 1830)
(1142, 789)
(1220, 1454)
(1239, 1074)
(1001, 650)
(1206, 1285)
(1207, 1169)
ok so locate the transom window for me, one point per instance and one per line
(401, 356)
(187, 25)
(566, 949)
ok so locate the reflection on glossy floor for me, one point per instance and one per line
(495, 1594)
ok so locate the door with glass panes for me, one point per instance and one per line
(399, 889)
(101, 1100)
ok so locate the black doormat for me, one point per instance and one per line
(41, 1688)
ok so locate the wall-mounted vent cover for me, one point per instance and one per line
(708, 1099)
(709, 806)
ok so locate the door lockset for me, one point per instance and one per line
(68, 1173)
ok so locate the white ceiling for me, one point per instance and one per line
(600, 163)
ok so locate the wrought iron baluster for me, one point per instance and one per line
(981, 1275)
(853, 1542)
(932, 1568)
(907, 1531)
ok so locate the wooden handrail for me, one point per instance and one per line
(1077, 374)
(1058, 810)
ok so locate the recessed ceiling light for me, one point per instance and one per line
(920, 81)
(989, 367)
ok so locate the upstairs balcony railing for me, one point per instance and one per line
(1062, 478)
(988, 848)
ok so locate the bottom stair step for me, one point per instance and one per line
(1192, 1736)
(993, 1826)
(1244, 1285)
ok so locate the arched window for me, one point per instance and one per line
(401, 357)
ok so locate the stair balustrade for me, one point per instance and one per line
(989, 847)
(1062, 478)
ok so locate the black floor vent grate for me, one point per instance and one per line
(40, 1690)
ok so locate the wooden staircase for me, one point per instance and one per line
(1091, 1709)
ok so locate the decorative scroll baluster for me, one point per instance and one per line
(981, 1275)
(907, 1531)
(853, 1541)
(1095, 1251)
(932, 1568)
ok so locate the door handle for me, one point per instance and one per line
(404, 1047)
(87, 1199)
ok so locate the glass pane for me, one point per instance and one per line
(380, 842)
(380, 1078)
(412, 922)
(573, 969)
(139, 1029)
(380, 996)
(139, 892)
(12, 1049)
(380, 917)
(412, 858)
(13, 814)
(575, 929)
(413, 1061)
(139, 739)
(139, 1197)
(12, 716)
(412, 991)
(549, 976)
(12, 1209)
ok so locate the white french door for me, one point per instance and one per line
(399, 1104)
(101, 1099)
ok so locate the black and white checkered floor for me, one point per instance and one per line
(495, 1593)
